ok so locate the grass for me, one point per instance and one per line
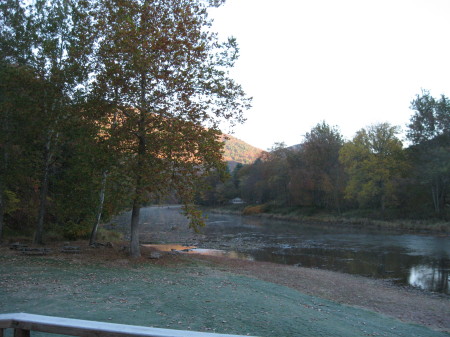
(183, 295)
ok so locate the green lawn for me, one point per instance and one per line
(188, 296)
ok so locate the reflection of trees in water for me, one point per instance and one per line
(434, 277)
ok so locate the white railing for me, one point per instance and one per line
(23, 323)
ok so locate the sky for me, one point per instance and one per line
(350, 63)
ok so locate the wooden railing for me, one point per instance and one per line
(23, 323)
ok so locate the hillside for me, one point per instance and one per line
(239, 151)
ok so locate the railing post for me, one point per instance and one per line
(21, 333)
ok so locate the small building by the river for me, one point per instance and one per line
(237, 201)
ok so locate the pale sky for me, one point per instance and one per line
(351, 63)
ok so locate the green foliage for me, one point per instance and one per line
(106, 235)
(73, 231)
(53, 232)
(12, 202)
(165, 75)
(320, 159)
(374, 161)
(430, 133)
(381, 180)
(431, 118)
(121, 99)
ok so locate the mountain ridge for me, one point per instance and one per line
(238, 151)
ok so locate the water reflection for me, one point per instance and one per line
(435, 278)
(171, 247)
(219, 252)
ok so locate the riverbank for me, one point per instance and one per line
(192, 292)
(432, 226)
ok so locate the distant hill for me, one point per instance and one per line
(238, 151)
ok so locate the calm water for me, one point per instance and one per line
(417, 260)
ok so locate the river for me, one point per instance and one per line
(421, 261)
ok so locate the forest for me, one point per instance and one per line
(106, 106)
(372, 175)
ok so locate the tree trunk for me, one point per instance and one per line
(4, 169)
(141, 152)
(100, 208)
(435, 195)
(43, 194)
(134, 243)
(2, 211)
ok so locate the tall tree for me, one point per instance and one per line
(169, 73)
(431, 118)
(429, 131)
(54, 39)
(62, 48)
(19, 96)
(374, 161)
(15, 49)
(320, 152)
(252, 185)
(276, 173)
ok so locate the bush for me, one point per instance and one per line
(107, 235)
(76, 231)
(250, 210)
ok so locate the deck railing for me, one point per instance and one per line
(23, 324)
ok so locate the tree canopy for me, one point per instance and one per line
(374, 162)
(141, 86)
(429, 131)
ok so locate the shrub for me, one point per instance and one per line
(76, 231)
(108, 235)
(249, 210)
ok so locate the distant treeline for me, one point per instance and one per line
(372, 173)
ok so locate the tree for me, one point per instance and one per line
(374, 161)
(429, 131)
(320, 152)
(275, 173)
(431, 118)
(252, 185)
(54, 39)
(18, 96)
(167, 75)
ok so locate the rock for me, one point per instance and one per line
(71, 249)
